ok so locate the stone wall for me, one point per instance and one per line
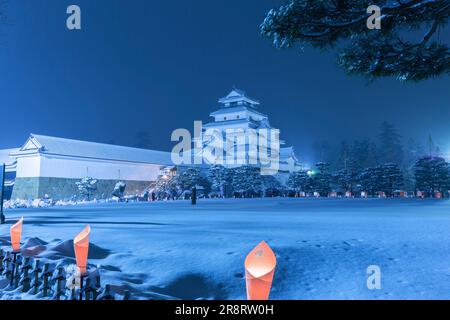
(66, 189)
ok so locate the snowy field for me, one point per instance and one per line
(323, 247)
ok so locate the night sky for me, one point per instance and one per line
(156, 66)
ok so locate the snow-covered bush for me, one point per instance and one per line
(219, 178)
(86, 187)
(190, 178)
(299, 181)
(119, 189)
(246, 181)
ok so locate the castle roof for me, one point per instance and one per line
(237, 95)
(251, 123)
(236, 109)
(288, 152)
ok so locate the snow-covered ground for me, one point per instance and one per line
(323, 246)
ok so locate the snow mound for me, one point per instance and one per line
(65, 249)
(33, 242)
(33, 247)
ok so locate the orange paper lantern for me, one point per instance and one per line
(81, 246)
(16, 235)
(259, 270)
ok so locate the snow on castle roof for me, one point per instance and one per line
(236, 109)
(236, 96)
(288, 152)
(84, 149)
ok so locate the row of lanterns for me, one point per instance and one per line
(259, 265)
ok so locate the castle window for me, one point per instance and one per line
(237, 117)
(224, 118)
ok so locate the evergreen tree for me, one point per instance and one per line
(391, 150)
(322, 179)
(407, 46)
(219, 178)
(190, 178)
(271, 186)
(299, 181)
(246, 181)
(86, 187)
(385, 178)
(432, 174)
(369, 180)
(165, 187)
(345, 180)
(390, 179)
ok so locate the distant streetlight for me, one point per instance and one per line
(311, 172)
(16, 234)
(259, 271)
(81, 247)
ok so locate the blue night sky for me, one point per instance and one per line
(159, 65)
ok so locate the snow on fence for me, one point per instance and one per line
(48, 281)
(52, 281)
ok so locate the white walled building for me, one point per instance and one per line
(50, 167)
(238, 111)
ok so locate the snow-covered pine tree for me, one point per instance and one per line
(246, 181)
(345, 180)
(86, 187)
(299, 181)
(191, 177)
(219, 178)
(271, 186)
(322, 179)
(391, 178)
(165, 187)
(408, 46)
(369, 180)
(432, 174)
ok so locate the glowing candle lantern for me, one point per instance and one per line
(16, 235)
(259, 270)
(81, 246)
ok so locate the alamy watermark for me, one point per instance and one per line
(229, 147)
(374, 21)
(73, 22)
(374, 279)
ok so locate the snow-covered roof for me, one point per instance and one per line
(236, 109)
(84, 149)
(5, 158)
(288, 152)
(250, 123)
(237, 95)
